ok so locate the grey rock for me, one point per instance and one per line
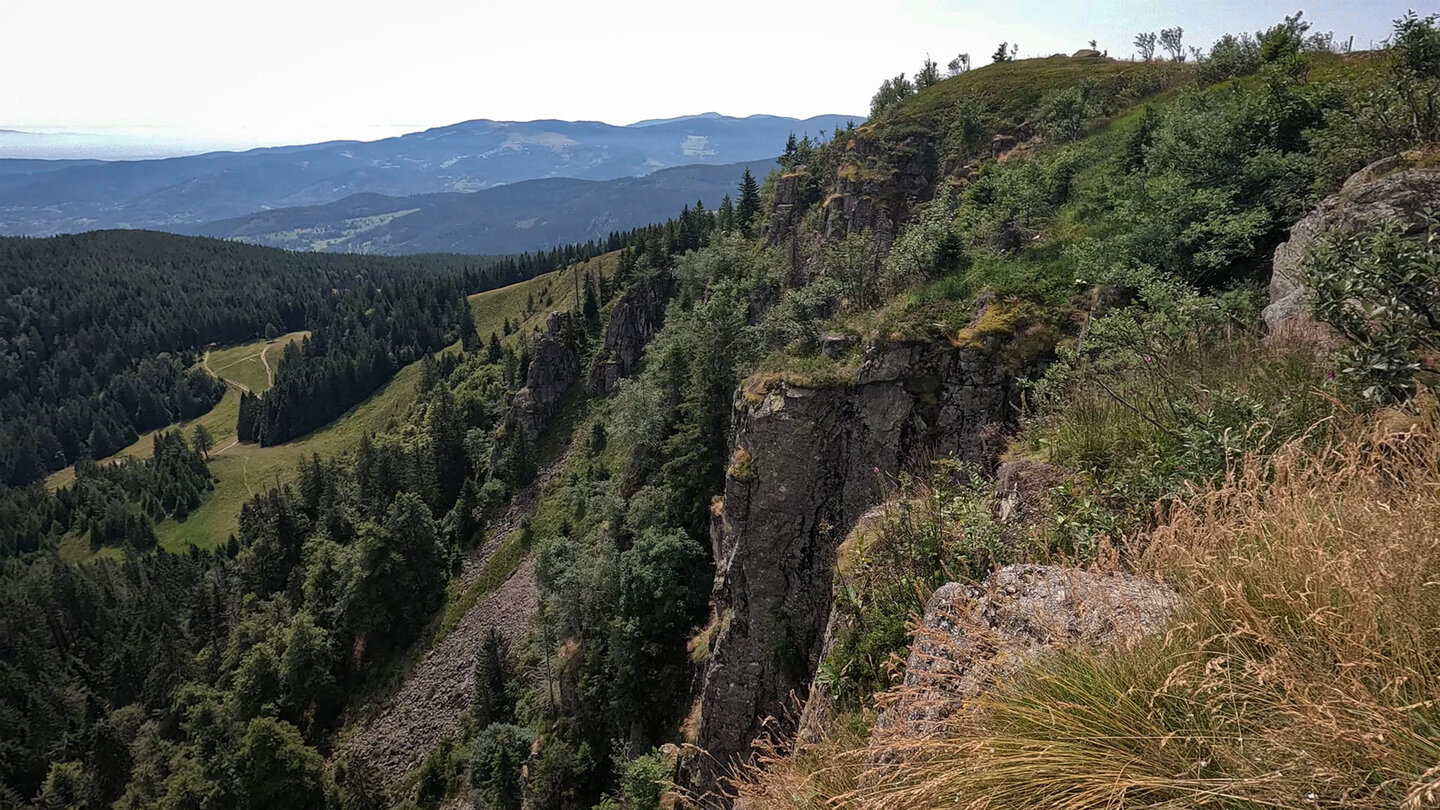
(884, 188)
(973, 635)
(815, 460)
(554, 369)
(634, 320)
(1387, 189)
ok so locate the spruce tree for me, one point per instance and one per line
(494, 675)
(749, 202)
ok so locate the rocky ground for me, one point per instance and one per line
(434, 697)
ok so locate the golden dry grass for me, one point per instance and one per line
(1303, 671)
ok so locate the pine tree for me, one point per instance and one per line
(749, 202)
(492, 351)
(469, 335)
(494, 676)
(725, 221)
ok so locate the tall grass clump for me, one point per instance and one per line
(1303, 671)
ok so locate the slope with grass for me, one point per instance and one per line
(555, 291)
(246, 367)
(243, 469)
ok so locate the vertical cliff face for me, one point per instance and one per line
(554, 368)
(879, 184)
(807, 463)
(635, 319)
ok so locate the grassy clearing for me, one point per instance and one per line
(245, 364)
(1013, 88)
(238, 364)
(492, 308)
(243, 470)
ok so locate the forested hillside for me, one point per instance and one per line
(959, 462)
(99, 332)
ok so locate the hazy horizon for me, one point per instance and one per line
(173, 77)
(138, 144)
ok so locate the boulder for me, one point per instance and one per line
(1086, 53)
(971, 636)
(1392, 188)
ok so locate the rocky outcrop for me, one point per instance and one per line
(1393, 188)
(554, 369)
(879, 184)
(974, 635)
(807, 463)
(636, 317)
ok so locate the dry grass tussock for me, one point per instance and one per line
(1303, 671)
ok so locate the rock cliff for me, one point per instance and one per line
(807, 462)
(1392, 188)
(879, 185)
(554, 368)
(636, 317)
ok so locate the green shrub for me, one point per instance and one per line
(496, 758)
(1382, 291)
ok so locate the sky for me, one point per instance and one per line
(173, 76)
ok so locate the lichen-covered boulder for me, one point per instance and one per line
(974, 635)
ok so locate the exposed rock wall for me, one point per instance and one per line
(635, 319)
(807, 463)
(1391, 188)
(554, 368)
(879, 184)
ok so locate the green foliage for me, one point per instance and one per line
(67, 787)
(938, 530)
(891, 92)
(275, 770)
(495, 684)
(496, 758)
(643, 781)
(927, 249)
(1168, 391)
(1380, 288)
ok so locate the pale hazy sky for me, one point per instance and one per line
(227, 73)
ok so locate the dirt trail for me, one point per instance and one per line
(265, 358)
(435, 695)
(205, 362)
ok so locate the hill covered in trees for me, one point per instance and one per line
(513, 218)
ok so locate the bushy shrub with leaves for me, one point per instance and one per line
(1381, 290)
(495, 760)
(940, 529)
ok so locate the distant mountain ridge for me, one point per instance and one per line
(468, 156)
(517, 217)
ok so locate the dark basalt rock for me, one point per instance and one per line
(880, 186)
(807, 463)
(635, 319)
(554, 368)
